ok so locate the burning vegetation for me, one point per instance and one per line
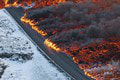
(87, 30)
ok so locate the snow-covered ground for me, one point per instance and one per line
(20, 56)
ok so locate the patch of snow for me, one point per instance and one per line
(12, 40)
(16, 45)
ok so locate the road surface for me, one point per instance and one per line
(61, 59)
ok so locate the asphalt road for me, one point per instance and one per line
(61, 59)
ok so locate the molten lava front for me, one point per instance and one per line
(51, 45)
(87, 30)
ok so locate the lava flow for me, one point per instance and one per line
(32, 23)
(52, 45)
(23, 3)
(41, 3)
(87, 30)
(14, 3)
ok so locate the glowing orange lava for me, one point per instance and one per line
(13, 4)
(52, 45)
(39, 31)
(32, 23)
(28, 21)
(41, 3)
